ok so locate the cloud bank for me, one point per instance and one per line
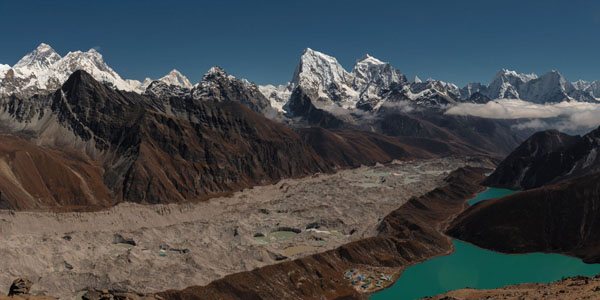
(568, 116)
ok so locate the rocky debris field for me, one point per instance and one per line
(158, 247)
(409, 234)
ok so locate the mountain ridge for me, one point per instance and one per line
(116, 146)
(547, 157)
(367, 86)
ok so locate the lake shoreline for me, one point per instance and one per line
(460, 267)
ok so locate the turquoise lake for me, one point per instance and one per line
(490, 193)
(471, 266)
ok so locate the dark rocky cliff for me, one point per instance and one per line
(559, 218)
(546, 157)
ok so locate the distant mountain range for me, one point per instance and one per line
(169, 140)
(45, 70)
(89, 146)
(370, 85)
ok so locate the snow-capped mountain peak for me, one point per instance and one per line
(93, 63)
(34, 69)
(38, 60)
(278, 95)
(215, 71)
(370, 70)
(591, 87)
(324, 78)
(44, 70)
(507, 83)
(218, 85)
(371, 83)
(368, 59)
(373, 78)
(319, 69)
(505, 73)
(581, 84)
(176, 78)
(146, 83)
(551, 87)
(3, 69)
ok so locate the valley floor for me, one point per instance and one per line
(193, 244)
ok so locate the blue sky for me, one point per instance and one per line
(457, 41)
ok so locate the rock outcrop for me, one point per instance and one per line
(21, 286)
(116, 295)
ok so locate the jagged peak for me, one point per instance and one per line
(314, 65)
(81, 74)
(44, 47)
(511, 73)
(215, 71)
(367, 58)
(174, 77)
(78, 78)
(554, 73)
(310, 53)
(43, 55)
(584, 84)
(175, 72)
(90, 53)
(93, 51)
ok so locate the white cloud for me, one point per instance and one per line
(564, 115)
(533, 124)
(403, 106)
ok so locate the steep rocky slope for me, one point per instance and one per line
(305, 113)
(176, 150)
(547, 157)
(217, 85)
(35, 177)
(560, 218)
(495, 137)
(354, 148)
